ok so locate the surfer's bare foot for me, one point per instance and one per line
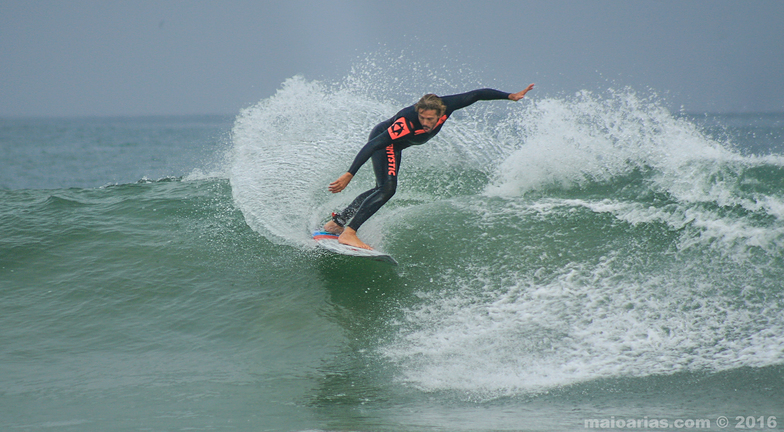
(349, 237)
(333, 228)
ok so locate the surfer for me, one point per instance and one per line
(413, 125)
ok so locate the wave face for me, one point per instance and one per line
(549, 242)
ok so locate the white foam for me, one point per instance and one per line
(288, 148)
(587, 323)
(700, 227)
(566, 143)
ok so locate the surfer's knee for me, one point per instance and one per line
(388, 190)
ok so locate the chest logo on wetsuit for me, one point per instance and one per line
(399, 128)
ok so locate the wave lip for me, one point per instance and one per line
(288, 148)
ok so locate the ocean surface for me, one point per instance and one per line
(583, 262)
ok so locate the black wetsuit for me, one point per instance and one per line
(384, 146)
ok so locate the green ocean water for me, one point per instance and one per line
(570, 259)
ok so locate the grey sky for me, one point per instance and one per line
(192, 57)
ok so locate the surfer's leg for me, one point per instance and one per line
(343, 217)
(386, 164)
(373, 203)
(339, 220)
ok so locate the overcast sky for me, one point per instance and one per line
(78, 57)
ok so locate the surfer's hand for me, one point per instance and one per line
(519, 95)
(341, 183)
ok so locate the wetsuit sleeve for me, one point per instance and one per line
(378, 142)
(462, 100)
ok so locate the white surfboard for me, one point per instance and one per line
(329, 241)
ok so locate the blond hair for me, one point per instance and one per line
(431, 102)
